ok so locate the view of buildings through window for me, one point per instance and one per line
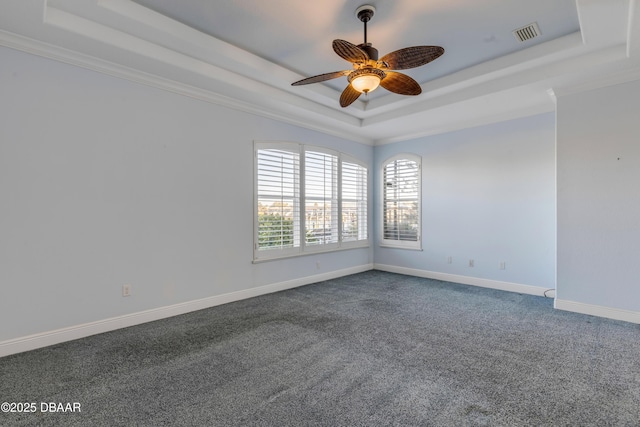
(354, 202)
(300, 188)
(401, 192)
(321, 197)
(278, 198)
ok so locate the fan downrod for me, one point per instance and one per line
(364, 14)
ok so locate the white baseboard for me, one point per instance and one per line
(44, 339)
(598, 310)
(58, 336)
(576, 307)
(466, 280)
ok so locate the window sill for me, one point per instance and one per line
(312, 252)
(408, 248)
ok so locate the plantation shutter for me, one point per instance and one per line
(401, 202)
(354, 202)
(307, 199)
(321, 198)
(278, 199)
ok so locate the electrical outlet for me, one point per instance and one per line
(449, 260)
(471, 263)
(503, 265)
(126, 290)
(317, 265)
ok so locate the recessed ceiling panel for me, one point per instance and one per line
(297, 35)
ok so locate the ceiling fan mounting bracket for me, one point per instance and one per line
(365, 12)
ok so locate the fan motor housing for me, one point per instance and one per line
(371, 51)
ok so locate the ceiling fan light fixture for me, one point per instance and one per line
(369, 72)
(366, 83)
(366, 80)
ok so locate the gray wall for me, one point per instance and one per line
(105, 182)
(599, 197)
(488, 195)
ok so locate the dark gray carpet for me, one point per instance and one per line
(372, 349)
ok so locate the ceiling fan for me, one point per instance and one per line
(369, 71)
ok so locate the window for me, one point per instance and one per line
(307, 199)
(278, 199)
(401, 202)
(354, 201)
(320, 198)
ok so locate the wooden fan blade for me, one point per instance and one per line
(321, 78)
(400, 83)
(349, 51)
(348, 96)
(410, 57)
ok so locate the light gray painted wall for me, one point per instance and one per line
(488, 195)
(599, 197)
(104, 182)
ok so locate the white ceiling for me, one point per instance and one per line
(298, 35)
(246, 53)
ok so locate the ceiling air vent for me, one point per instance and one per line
(527, 33)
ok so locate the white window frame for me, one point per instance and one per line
(297, 227)
(301, 246)
(397, 243)
(334, 196)
(362, 210)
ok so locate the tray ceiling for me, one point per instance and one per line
(246, 53)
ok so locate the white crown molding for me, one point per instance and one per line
(150, 35)
(125, 39)
(287, 113)
(623, 72)
(471, 121)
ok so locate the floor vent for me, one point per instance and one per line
(527, 33)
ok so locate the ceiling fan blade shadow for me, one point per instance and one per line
(400, 83)
(321, 78)
(349, 95)
(410, 57)
(349, 51)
